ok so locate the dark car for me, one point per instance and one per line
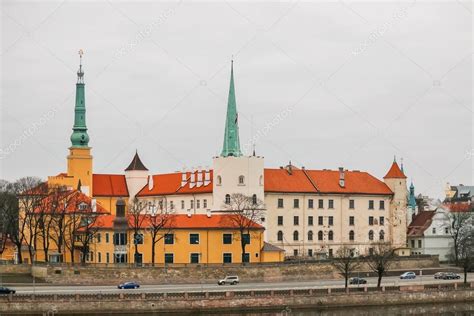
(5, 290)
(451, 276)
(408, 275)
(129, 285)
(439, 275)
(357, 281)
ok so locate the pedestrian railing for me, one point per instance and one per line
(219, 295)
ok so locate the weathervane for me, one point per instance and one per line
(80, 73)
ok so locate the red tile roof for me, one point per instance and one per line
(183, 221)
(395, 172)
(459, 207)
(109, 185)
(71, 199)
(280, 180)
(420, 223)
(170, 183)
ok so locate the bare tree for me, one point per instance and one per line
(345, 262)
(58, 231)
(246, 212)
(158, 223)
(381, 259)
(465, 246)
(457, 223)
(137, 216)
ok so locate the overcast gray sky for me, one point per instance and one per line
(321, 84)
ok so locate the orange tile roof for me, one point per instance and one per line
(395, 172)
(183, 221)
(170, 183)
(280, 180)
(461, 207)
(109, 185)
(72, 199)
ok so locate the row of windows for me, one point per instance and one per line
(330, 221)
(240, 180)
(168, 257)
(227, 199)
(296, 204)
(192, 205)
(330, 235)
(121, 238)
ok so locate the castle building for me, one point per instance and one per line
(306, 212)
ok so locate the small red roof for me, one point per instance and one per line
(170, 183)
(420, 223)
(71, 199)
(109, 185)
(182, 221)
(395, 172)
(459, 207)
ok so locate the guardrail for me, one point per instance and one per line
(219, 295)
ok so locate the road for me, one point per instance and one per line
(244, 286)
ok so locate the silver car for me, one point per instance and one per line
(230, 279)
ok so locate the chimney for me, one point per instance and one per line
(192, 182)
(183, 178)
(342, 181)
(207, 177)
(199, 177)
(150, 182)
(208, 213)
(94, 205)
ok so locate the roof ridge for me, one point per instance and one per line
(310, 180)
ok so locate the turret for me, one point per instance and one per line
(136, 175)
(396, 181)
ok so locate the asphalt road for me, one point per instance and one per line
(372, 281)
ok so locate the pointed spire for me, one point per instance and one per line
(411, 198)
(79, 137)
(136, 163)
(395, 172)
(401, 165)
(231, 145)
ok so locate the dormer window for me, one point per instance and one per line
(83, 206)
(241, 180)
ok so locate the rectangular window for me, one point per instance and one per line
(419, 243)
(280, 203)
(194, 239)
(351, 204)
(446, 230)
(246, 257)
(194, 258)
(98, 236)
(320, 203)
(280, 220)
(227, 239)
(169, 239)
(227, 258)
(351, 220)
(413, 243)
(198, 204)
(371, 220)
(320, 220)
(107, 237)
(169, 258)
(295, 252)
(191, 204)
(171, 205)
(120, 258)
(138, 239)
(371, 204)
(310, 203)
(310, 252)
(434, 230)
(296, 203)
(381, 220)
(120, 238)
(296, 220)
(331, 220)
(331, 204)
(310, 220)
(99, 257)
(381, 205)
(182, 204)
(246, 238)
(330, 253)
(107, 257)
(204, 203)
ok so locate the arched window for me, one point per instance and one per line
(320, 235)
(254, 199)
(296, 235)
(351, 235)
(330, 235)
(310, 235)
(280, 235)
(227, 199)
(371, 235)
(219, 180)
(241, 180)
(382, 235)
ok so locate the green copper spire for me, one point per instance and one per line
(79, 137)
(411, 199)
(231, 137)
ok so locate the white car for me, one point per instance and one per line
(230, 279)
